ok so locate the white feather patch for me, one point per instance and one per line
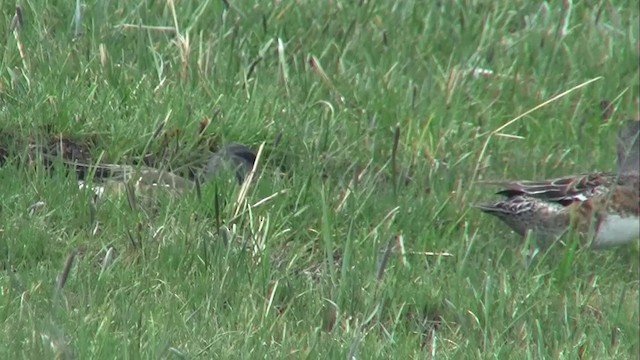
(617, 230)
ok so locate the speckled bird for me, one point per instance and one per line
(603, 208)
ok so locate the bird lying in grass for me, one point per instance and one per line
(235, 160)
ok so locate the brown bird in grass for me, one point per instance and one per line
(603, 208)
(235, 158)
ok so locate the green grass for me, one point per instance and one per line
(300, 274)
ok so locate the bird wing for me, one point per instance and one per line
(564, 190)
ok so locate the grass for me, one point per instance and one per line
(366, 246)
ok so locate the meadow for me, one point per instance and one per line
(357, 239)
